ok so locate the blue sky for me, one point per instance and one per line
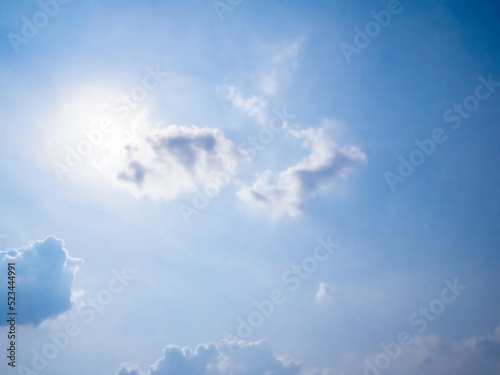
(177, 160)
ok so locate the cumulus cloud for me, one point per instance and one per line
(286, 193)
(428, 354)
(44, 279)
(324, 293)
(162, 162)
(226, 358)
(252, 106)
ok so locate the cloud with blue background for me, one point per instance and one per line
(44, 279)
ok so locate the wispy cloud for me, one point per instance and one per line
(252, 106)
(283, 66)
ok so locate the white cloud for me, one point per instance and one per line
(429, 355)
(44, 279)
(324, 293)
(162, 162)
(253, 106)
(286, 193)
(226, 358)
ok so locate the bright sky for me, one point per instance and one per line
(250, 187)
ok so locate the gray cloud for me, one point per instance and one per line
(434, 356)
(287, 193)
(187, 149)
(44, 279)
(125, 371)
(137, 176)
